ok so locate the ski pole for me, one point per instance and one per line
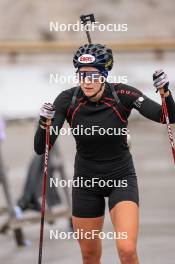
(169, 129)
(45, 175)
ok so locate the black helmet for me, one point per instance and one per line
(95, 55)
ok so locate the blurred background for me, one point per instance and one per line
(34, 64)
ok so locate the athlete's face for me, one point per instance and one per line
(90, 80)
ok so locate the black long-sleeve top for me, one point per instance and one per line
(104, 114)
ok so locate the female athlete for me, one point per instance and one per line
(103, 162)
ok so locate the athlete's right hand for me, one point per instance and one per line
(47, 112)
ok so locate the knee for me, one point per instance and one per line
(90, 256)
(127, 253)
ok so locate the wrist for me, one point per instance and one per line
(42, 127)
(45, 121)
(166, 94)
(163, 93)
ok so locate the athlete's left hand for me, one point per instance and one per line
(160, 80)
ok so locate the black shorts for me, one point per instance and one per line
(116, 180)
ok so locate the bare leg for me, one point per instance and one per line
(91, 249)
(125, 218)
